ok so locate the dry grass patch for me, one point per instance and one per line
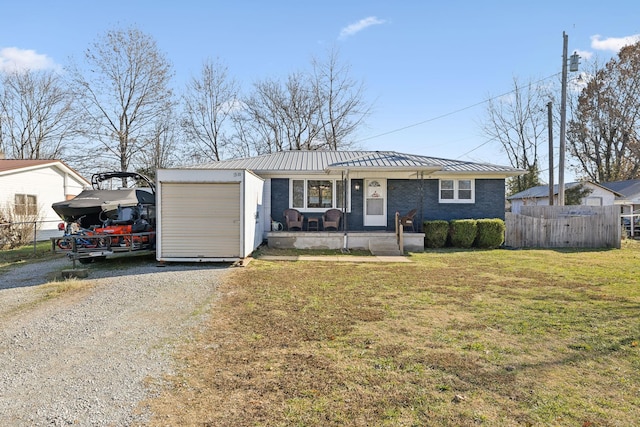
(26, 254)
(55, 289)
(455, 338)
(65, 287)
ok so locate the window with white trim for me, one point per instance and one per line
(316, 194)
(457, 191)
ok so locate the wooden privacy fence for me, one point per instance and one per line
(564, 227)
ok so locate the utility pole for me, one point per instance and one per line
(550, 120)
(563, 119)
(563, 114)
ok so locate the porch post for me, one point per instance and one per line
(421, 210)
(345, 221)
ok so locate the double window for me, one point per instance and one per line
(26, 204)
(457, 191)
(318, 194)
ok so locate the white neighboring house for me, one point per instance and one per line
(630, 194)
(629, 202)
(27, 184)
(539, 196)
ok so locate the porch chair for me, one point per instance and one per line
(293, 219)
(407, 220)
(331, 219)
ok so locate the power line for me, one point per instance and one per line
(452, 113)
(479, 146)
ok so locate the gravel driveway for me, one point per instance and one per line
(87, 357)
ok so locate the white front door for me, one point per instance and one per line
(375, 202)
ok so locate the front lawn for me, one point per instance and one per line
(457, 338)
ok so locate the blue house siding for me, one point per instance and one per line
(279, 198)
(280, 202)
(355, 217)
(404, 195)
(489, 202)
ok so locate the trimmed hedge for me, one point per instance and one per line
(462, 232)
(490, 233)
(435, 233)
(486, 233)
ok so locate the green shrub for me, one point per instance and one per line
(490, 233)
(435, 233)
(462, 232)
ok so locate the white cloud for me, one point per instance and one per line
(14, 59)
(613, 43)
(352, 29)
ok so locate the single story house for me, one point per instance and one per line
(31, 186)
(629, 194)
(629, 201)
(369, 187)
(539, 196)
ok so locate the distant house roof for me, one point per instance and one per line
(542, 191)
(12, 166)
(629, 188)
(326, 161)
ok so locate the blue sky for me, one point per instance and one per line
(427, 66)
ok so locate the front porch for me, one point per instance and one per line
(365, 240)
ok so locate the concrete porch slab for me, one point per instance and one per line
(413, 242)
(345, 258)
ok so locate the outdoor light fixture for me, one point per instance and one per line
(357, 186)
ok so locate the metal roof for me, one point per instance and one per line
(629, 188)
(543, 190)
(322, 161)
(539, 191)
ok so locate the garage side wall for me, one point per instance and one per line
(254, 213)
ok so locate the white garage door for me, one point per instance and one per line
(200, 220)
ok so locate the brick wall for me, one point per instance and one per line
(404, 195)
(279, 198)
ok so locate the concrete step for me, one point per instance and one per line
(384, 248)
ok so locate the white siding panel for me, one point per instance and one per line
(47, 184)
(200, 220)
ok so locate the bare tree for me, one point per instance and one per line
(301, 114)
(245, 142)
(341, 102)
(603, 133)
(36, 115)
(124, 91)
(258, 126)
(519, 122)
(163, 150)
(317, 110)
(209, 101)
(282, 114)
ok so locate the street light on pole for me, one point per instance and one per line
(563, 114)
